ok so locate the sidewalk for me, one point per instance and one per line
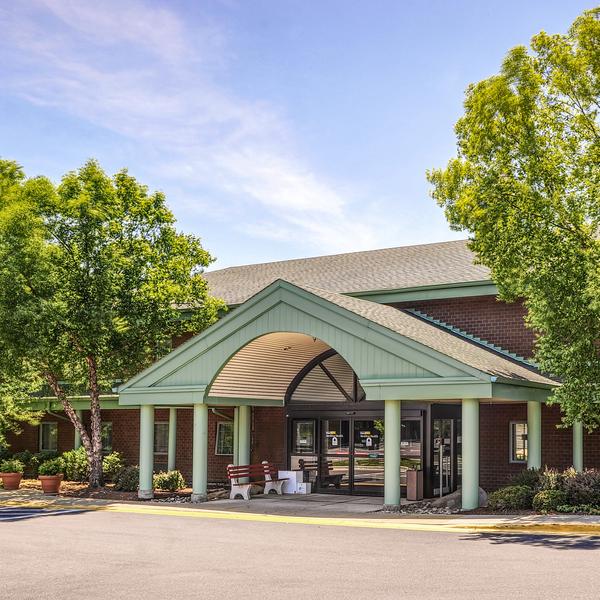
(318, 510)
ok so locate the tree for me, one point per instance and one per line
(93, 276)
(526, 185)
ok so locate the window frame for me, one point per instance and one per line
(219, 423)
(511, 447)
(160, 452)
(41, 436)
(110, 449)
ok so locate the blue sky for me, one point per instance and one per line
(276, 128)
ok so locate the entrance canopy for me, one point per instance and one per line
(255, 354)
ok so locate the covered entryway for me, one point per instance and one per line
(387, 360)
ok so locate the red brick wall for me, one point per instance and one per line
(483, 316)
(268, 435)
(557, 443)
(29, 439)
(494, 443)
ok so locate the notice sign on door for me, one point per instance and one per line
(332, 436)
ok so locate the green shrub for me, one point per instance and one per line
(127, 479)
(549, 500)
(25, 457)
(76, 465)
(170, 481)
(12, 465)
(5, 453)
(581, 508)
(582, 488)
(40, 458)
(112, 464)
(31, 462)
(513, 497)
(553, 479)
(54, 466)
(531, 478)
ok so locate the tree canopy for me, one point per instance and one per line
(526, 184)
(93, 279)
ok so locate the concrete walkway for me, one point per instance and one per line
(317, 509)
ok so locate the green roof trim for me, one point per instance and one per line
(465, 289)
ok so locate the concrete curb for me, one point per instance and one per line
(454, 525)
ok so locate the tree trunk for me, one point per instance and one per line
(95, 457)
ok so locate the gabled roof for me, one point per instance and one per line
(395, 354)
(443, 263)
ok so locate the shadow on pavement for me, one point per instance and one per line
(554, 542)
(11, 514)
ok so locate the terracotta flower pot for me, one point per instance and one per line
(50, 483)
(11, 481)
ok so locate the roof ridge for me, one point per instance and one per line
(476, 340)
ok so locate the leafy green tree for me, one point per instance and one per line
(15, 395)
(526, 185)
(93, 276)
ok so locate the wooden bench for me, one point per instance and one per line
(325, 476)
(243, 477)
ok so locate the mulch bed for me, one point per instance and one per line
(73, 489)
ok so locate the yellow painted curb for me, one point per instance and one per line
(362, 523)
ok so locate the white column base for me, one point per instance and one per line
(145, 494)
(199, 498)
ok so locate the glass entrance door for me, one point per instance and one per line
(335, 469)
(443, 456)
(346, 455)
(368, 454)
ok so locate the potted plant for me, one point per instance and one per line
(50, 475)
(11, 472)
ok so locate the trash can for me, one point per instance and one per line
(414, 484)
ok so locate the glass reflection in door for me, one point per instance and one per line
(443, 456)
(410, 448)
(334, 466)
(304, 441)
(368, 456)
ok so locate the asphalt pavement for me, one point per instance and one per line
(99, 554)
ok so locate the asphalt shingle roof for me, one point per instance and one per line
(410, 326)
(387, 269)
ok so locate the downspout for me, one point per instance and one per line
(220, 414)
(53, 414)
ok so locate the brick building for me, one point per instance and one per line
(366, 365)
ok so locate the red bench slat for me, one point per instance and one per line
(254, 470)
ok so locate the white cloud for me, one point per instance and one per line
(142, 72)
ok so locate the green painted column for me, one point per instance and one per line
(391, 441)
(470, 453)
(172, 452)
(534, 435)
(244, 423)
(236, 439)
(146, 490)
(77, 440)
(200, 454)
(578, 446)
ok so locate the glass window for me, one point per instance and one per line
(106, 436)
(48, 437)
(518, 442)
(161, 438)
(304, 437)
(224, 443)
